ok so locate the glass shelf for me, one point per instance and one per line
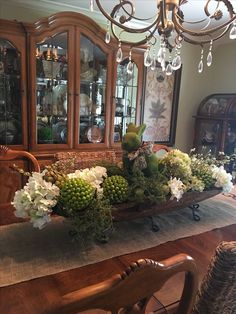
(93, 84)
(125, 99)
(10, 94)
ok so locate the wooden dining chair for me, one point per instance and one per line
(10, 154)
(11, 180)
(130, 291)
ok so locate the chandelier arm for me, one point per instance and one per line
(121, 5)
(227, 3)
(127, 29)
(133, 10)
(191, 22)
(206, 7)
(137, 43)
(199, 32)
(202, 42)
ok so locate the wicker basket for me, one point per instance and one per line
(80, 160)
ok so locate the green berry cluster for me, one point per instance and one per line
(205, 175)
(115, 189)
(76, 194)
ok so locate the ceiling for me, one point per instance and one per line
(193, 9)
(144, 8)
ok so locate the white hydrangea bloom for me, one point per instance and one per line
(36, 200)
(94, 176)
(177, 188)
(223, 179)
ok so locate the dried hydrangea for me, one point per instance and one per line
(36, 200)
(177, 188)
(178, 164)
(223, 179)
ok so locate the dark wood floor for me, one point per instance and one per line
(35, 296)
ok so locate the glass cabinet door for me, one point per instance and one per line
(10, 95)
(92, 94)
(52, 90)
(125, 99)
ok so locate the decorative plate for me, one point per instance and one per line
(60, 131)
(94, 134)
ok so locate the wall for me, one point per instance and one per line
(194, 86)
(224, 74)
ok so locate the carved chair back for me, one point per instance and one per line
(10, 180)
(130, 291)
(10, 154)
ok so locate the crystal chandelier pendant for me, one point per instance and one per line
(147, 58)
(130, 67)
(209, 56)
(232, 34)
(176, 63)
(209, 59)
(200, 65)
(169, 69)
(91, 6)
(119, 54)
(160, 55)
(153, 64)
(163, 66)
(107, 37)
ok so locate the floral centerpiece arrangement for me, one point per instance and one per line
(88, 196)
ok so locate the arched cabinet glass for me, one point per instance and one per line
(52, 90)
(215, 128)
(92, 94)
(10, 95)
(125, 99)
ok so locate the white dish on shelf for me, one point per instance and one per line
(94, 134)
(60, 131)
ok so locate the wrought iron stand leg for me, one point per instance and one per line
(195, 208)
(154, 223)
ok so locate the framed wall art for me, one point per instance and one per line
(160, 105)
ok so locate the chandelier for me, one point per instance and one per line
(169, 28)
